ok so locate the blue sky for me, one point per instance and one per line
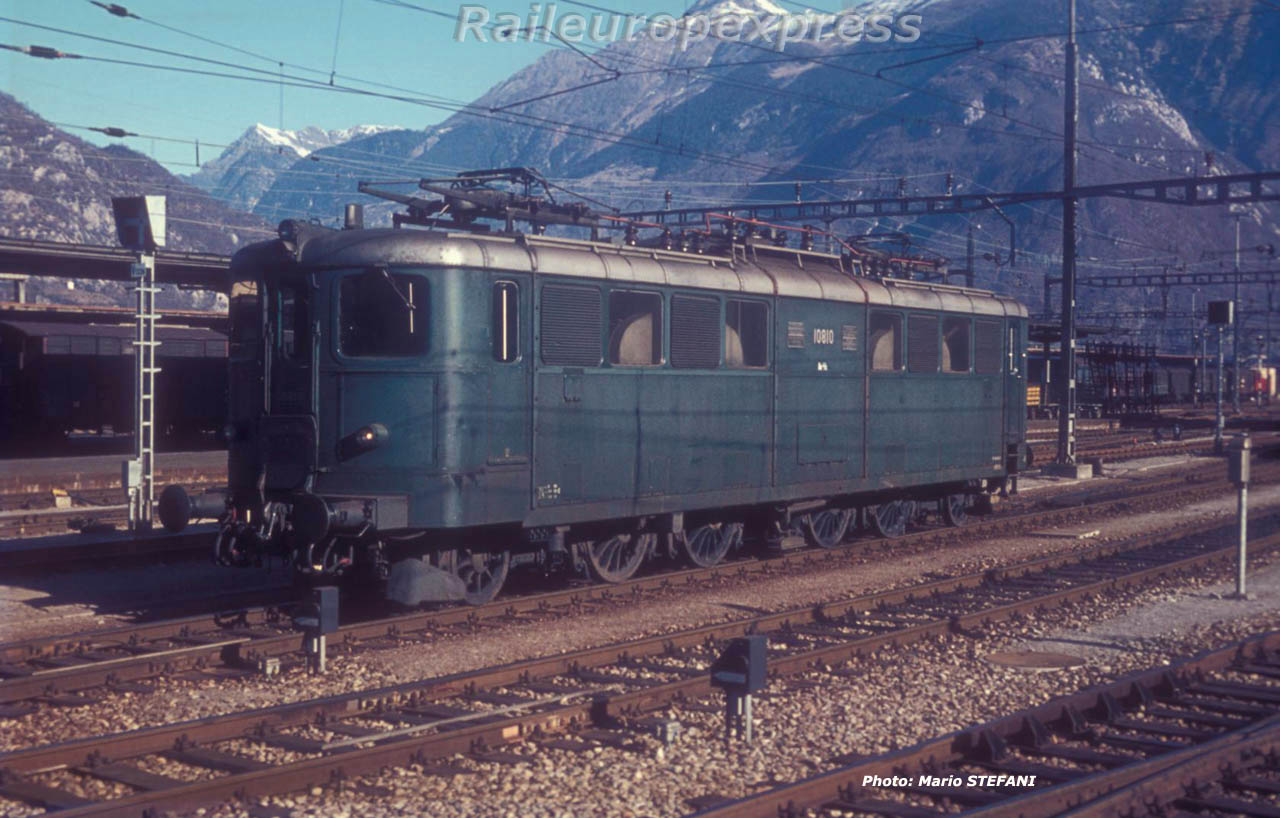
(377, 42)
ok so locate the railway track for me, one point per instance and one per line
(104, 548)
(1124, 446)
(85, 511)
(89, 498)
(62, 670)
(1202, 736)
(600, 694)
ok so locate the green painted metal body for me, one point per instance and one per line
(476, 442)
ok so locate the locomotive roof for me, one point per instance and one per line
(757, 269)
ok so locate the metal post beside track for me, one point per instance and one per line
(1238, 472)
(1071, 116)
(140, 226)
(1221, 314)
(142, 496)
(1235, 330)
(1218, 421)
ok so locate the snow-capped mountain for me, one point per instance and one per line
(251, 164)
(58, 187)
(1155, 102)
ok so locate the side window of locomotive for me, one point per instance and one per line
(635, 328)
(695, 332)
(505, 324)
(246, 319)
(746, 334)
(569, 325)
(383, 314)
(294, 336)
(885, 341)
(1014, 355)
(987, 347)
(955, 344)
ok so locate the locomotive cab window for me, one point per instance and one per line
(383, 314)
(635, 328)
(746, 334)
(246, 319)
(885, 341)
(1013, 351)
(955, 344)
(505, 325)
(292, 315)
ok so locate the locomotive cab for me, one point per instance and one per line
(370, 399)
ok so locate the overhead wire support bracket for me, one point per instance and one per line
(1182, 279)
(1187, 190)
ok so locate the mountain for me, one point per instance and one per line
(58, 187)
(1155, 102)
(251, 164)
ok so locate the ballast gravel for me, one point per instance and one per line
(893, 700)
(888, 701)
(182, 698)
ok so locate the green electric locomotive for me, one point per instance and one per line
(428, 407)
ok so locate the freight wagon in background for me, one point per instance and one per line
(61, 379)
(1115, 380)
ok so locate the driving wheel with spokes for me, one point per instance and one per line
(890, 519)
(707, 545)
(617, 558)
(826, 528)
(954, 509)
(483, 572)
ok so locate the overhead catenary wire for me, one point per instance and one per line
(875, 76)
(703, 76)
(424, 9)
(1124, 146)
(511, 117)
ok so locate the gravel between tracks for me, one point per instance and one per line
(181, 698)
(893, 702)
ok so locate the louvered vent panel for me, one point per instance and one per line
(986, 336)
(922, 343)
(695, 332)
(570, 325)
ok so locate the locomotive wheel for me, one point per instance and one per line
(707, 545)
(484, 572)
(890, 519)
(826, 528)
(618, 558)
(954, 509)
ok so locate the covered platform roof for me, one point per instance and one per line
(85, 313)
(51, 258)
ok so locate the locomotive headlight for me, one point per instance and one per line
(364, 439)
